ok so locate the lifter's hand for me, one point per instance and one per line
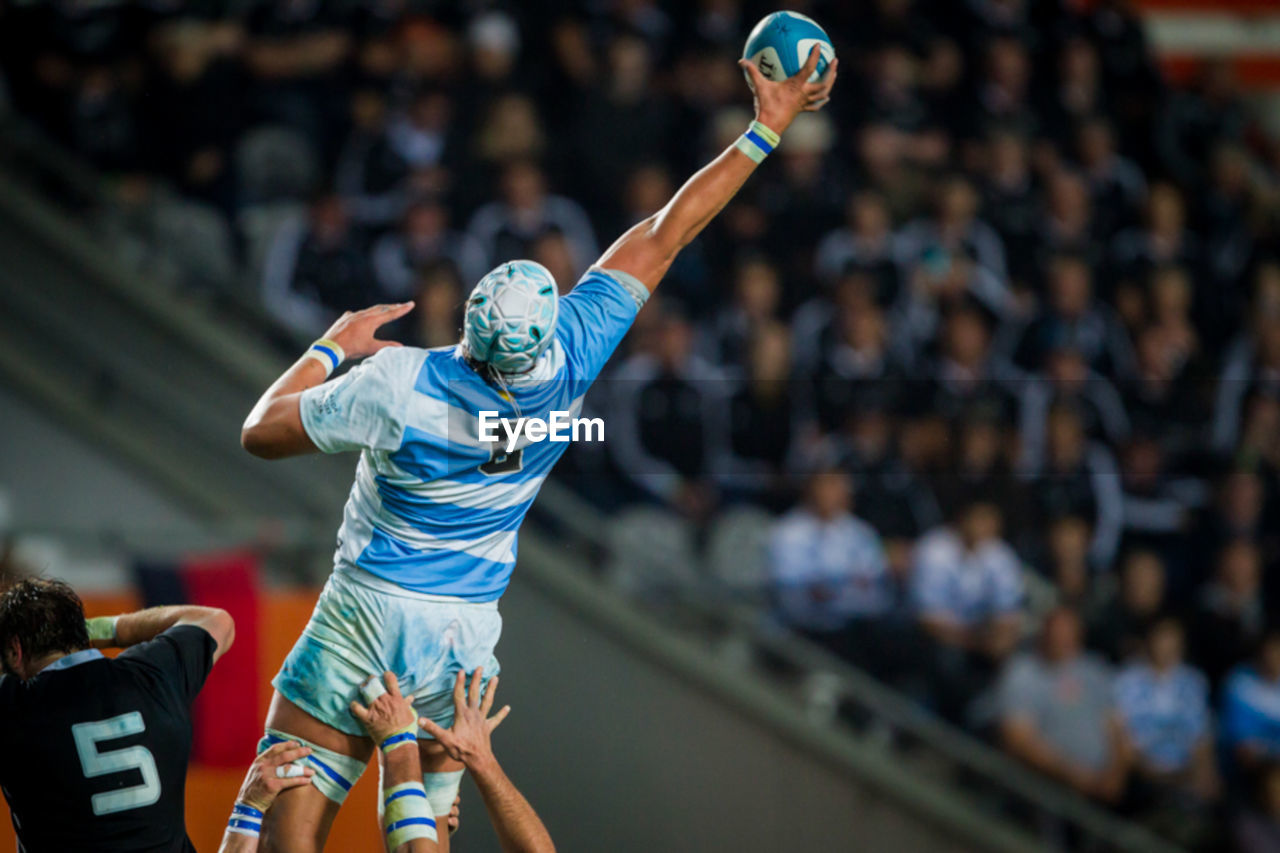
(262, 784)
(777, 104)
(389, 714)
(354, 330)
(468, 740)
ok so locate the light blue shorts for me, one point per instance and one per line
(363, 626)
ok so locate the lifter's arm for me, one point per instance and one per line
(130, 629)
(262, 784)
(274, 429)
(649, 247)
(391, 722)
(519, 828)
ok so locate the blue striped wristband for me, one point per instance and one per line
(328, 353)
(245, 820)
(758, 142)
(398, 739)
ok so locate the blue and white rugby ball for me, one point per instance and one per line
(780, 44)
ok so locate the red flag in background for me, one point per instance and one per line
(226, 715)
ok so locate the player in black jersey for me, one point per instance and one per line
(93, 751)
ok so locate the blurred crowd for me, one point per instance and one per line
(1009, 306)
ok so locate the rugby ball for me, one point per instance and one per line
(780, 44)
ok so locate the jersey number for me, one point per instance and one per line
(101, 762)
(501, 462)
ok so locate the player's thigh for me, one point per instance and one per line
(300, 819)
(298, 822)
(285, 716)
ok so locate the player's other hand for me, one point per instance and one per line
(777, 104)
(354, 330)
(468, 740)
(274, 771)
(388, 714)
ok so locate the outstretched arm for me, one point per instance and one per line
(519, 828)
(649, 247)
(274, 429)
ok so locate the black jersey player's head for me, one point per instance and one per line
(39, 620)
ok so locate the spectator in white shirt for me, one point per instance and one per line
(830, 576)
(967, 589)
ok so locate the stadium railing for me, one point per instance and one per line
(157, 377)
(76, 190)
(822, 683)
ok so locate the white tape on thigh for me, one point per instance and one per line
(442, 790)
(335, 773)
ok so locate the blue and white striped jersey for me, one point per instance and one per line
(1165, 715)
(433, 509)
(967, 587)
(1251, 710)
(826, 573)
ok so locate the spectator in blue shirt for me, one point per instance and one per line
(1251, 707)
(1163, 708)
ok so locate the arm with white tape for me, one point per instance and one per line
(391, 722)
(273, 428)
(275, 770)
(130, 629)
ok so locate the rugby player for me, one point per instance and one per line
(428, 537)
(388, 719)
(94, 750)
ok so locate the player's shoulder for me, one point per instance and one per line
(404, 360)
(601, 282)
(398, 370)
